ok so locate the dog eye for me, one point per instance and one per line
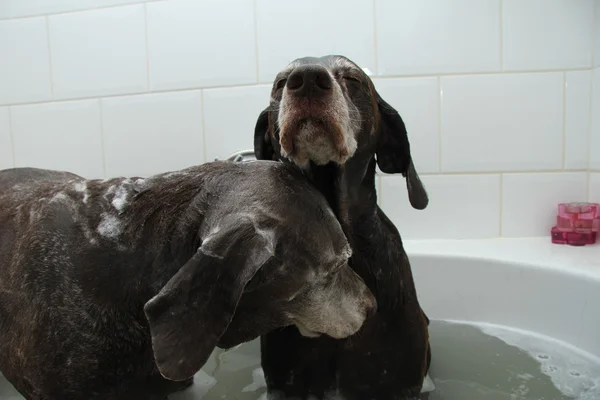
(280, 83)
(351, 79)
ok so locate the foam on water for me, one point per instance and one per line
(470, 362)
(575, 373)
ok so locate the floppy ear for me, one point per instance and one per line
(393, 153)
(191, 312)
(263, 149)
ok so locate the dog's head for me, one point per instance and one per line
(249, 278)
(326, 110)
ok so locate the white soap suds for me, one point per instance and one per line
(258, 381)
(573, 372)
(109, 226)
(81, 187)
(120, 199)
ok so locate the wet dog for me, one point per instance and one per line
(326, 118)
(122, 288)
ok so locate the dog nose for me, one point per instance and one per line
(309, 79)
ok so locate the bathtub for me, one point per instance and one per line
(526, 284)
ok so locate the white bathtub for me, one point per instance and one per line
(526, 284)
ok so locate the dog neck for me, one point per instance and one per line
(351, 192)
(349, 189)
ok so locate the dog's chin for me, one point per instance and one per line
(304, 331)
(312, 140)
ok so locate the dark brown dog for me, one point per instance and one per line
(121, 289)
(326, 118)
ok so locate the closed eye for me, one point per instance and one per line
(351, 78)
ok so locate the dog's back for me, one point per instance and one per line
(78, 261)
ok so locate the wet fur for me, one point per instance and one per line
(390, 356)
(102, 280)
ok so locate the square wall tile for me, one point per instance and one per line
(204, 43)
(460, 207)
(417, 102)
(507, 122)
(230, 115)
(594, 193)
(99, 52)
(530, 201)
(577, 125)
(547, 34)
(595, 128)
(6, 152)
(287, 30)
(24, 63)
(438, 36)
(152, 133)
(24, 8)
(62, 136)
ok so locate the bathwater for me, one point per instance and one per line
(470, 362)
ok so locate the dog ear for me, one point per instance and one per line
(191, 312)
(393, 152)
(263, 149)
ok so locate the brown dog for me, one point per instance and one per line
(326, 118)
(121, 289)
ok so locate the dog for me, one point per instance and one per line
(326, 118)
(122, 288)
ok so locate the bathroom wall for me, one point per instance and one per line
(496, 94)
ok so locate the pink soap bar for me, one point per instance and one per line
(578, 217)
(581, 210)
(572, 238)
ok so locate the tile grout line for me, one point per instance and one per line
(241, 85)
(102, 138)
(256, 50)
(439, 101)
(49, 57)
(501, 36)
(589, 184)
(515, 172)
(12, 137)
(501, 213)
(589, 132)
(203, 125)
(564, 121)
(147, 47)
(81, 10)
(375, 41)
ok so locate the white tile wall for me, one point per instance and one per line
(24, 8)
(438, 36)
(75, 145)
(594, 195)
(502, 122)
(417, 101)
(595, 128)
(24, 64)
(547, 34)
(152, 133)
(577, 119)
(100, 52)
(6, 152)
(460, 206)
(230, 117)
(201, 43)
(487, 89)
(287, 30)
(597, 35)
(530, 200)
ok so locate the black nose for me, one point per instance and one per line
(309, 80)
